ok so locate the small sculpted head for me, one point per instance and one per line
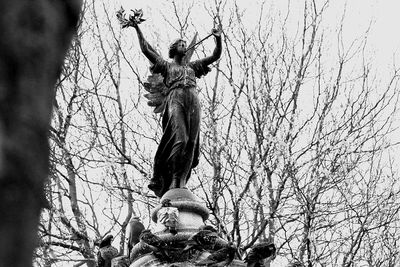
(177, 48)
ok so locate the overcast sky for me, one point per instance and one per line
(384, 15)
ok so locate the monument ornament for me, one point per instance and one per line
(180, 237)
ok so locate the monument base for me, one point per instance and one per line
(192, 214)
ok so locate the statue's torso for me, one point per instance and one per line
(180, 76)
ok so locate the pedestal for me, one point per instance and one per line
(192, 214)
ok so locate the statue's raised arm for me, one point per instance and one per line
(218, 48)
(201, 66)
(134, 21)
(146, 48)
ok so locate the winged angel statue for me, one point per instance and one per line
(172, 91)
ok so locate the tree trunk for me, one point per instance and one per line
(35, 37)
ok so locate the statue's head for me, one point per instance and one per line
(178, 47)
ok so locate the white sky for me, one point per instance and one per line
(384, 15)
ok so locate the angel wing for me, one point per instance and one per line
(157, 90)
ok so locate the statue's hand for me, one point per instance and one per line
(133, 20)
(217, 31)
(137, 17)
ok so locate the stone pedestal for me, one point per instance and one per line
(192, 214)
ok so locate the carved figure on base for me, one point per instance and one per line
(168, 216)
(135, 229)
(258, 253)
(220, 258)
(106, 252)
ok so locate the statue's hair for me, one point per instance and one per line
(172, 48)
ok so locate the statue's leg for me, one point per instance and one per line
(194, 158)
(179, 164)
(180, 139)
(183, 159)
(161, 179)
(192, 150)
(185, 120)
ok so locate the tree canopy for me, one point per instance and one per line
(297, 138)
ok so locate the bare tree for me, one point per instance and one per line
(98, 162)
(295, 137)
(287, 140)
(33, 49)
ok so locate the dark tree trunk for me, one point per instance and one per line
(34, 38)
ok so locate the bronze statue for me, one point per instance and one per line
(178, 151)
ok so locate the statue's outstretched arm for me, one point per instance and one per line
(146, 48)
(217, 50)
